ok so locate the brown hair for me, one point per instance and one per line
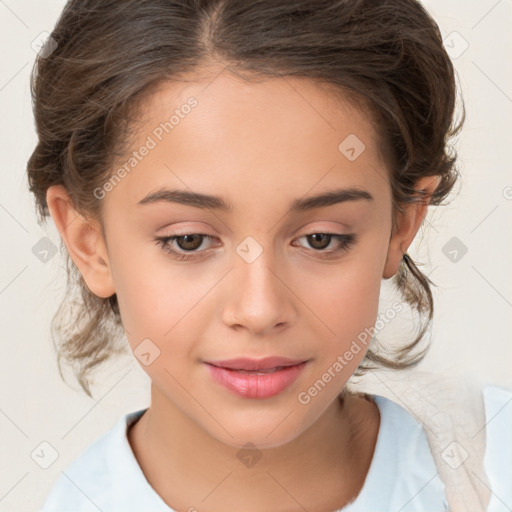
(87, 93)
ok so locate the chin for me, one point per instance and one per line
(269, 433)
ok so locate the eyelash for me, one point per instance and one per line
(346, 242)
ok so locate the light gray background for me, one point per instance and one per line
(472, 322)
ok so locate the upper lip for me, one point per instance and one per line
(246, 363)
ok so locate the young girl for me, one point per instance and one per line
(233, 180)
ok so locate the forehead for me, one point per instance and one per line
(212, 132)
(227, 104)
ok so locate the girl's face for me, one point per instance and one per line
(259, 284)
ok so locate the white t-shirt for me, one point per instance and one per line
(402, 476)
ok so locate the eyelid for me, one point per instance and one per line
(345, 243)
(178, 232)
(181, 231)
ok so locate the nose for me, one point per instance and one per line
(259, 299)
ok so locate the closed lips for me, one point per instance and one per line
(257, 372)
(266, 365)
(256, 378)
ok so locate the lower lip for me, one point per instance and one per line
(252, 385)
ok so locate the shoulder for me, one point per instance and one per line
(498, 453)
(498, 408)
(87, 484)
(497, 401)
(404, 433)
(406, 437)
(402, 475)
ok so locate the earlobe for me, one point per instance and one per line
(407, 225)
(84, 241)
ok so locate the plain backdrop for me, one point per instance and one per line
(40, 414)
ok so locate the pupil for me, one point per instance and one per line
(186, 239)
(316, 236)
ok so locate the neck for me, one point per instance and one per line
(331, 454)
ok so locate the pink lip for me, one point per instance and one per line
(246, 382)
(247, 363)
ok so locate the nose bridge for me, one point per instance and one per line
(259, 300)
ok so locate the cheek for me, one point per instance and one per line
(151, 305)
(161, 300)
(146, 296)
(348, 309)
(347, 296)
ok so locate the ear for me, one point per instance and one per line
(84, 240)
(407, 225)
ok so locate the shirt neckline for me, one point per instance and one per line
(135, 480)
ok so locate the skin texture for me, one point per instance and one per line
(259, 146)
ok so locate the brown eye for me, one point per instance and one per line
(319, 240)
(189, 242)
(185, 246)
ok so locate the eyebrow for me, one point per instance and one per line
(205, 201)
